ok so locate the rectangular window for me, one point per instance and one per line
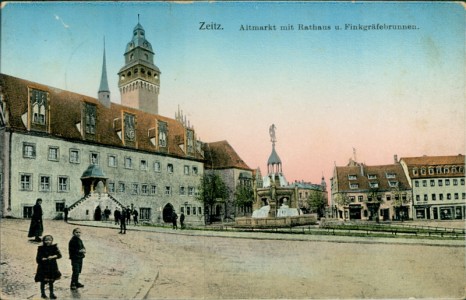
(182, 190)
(182, 209)
(168, 191)
(121, 187)
(90, 118)
(94, 159)
(170, 168)
(186, 170)
(135, 188)
(153, 189)
(457, 196)
(74, 156)
(440, 196)
(432, 182)
(143, 164)
(26, 182)
(111, 187)
(188, 210)
(447, 182)
(374, 184)
(372, 176)
(448, 196)
(144, 213)
(144, 189)
(63, 184)
(112, 161)
(53, 153)
(389, 197)
(433, 197)
(463, 196)
(29, 150)
(440, 182)
(455, 181)
(194, 210)
(424, 183)
(157, 166)
(45, 183)
(416, 183)
(190, 191)
(195, 171)
(199, 210)
(59, 206)
(360, 198)
(391, 175)
(418, 198)
(352, 198)
(425, 197)
(128, 163)
(462, 181)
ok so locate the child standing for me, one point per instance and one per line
(47, 267)
(77, 252)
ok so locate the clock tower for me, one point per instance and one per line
(139, 78)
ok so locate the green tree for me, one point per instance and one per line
(211, 189)
(342, 199)
(244, 195)
(317, 202)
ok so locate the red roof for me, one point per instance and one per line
(221, 155)
(66, 111)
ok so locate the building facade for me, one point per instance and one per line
(438, 186)
(83, 152)
(361, 192)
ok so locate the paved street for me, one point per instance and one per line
(167, 264)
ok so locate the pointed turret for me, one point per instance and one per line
(104, 91)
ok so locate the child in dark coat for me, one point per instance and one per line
(77, 252)
(47, 267)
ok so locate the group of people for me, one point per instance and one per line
(175, 220)
(48, 253)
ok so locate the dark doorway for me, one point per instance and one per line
(167, 213)
(355, 212)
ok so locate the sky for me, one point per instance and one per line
(334, 94)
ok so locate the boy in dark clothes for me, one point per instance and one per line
(77, 252)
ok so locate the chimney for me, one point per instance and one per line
(395, 158)
(362, 169)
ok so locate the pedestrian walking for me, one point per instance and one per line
(107, 213)
(117, 215)
(174, 218)
(36, 228)
(65, 213)
(135, 216)
(47, 267)
(128, 215)
(77, 252)
(182, 220)
(123, 221)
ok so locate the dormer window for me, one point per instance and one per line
(374, 184)
(390, 175)
(393, 183)
(352, 177)
(190, 141)
(90, 118)
(415, 171)
(372, 176)
(38, 103)
(431, 171)
(130, 127)
(354, 186)
(163, 134)
(423, 171)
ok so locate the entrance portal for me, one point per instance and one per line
(167, 213)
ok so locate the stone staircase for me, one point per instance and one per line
(84, 208)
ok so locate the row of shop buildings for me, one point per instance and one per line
(420, 188)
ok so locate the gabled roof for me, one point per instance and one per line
(362, 175)
(221, 155)
(66, 112)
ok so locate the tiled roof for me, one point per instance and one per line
(220, 155)
(434, 160)
(363, 173)
(66, 111)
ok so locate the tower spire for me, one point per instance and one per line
(104, 91)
